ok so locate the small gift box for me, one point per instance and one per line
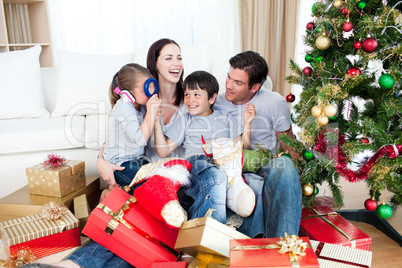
(206, 235)
(291, 251)
(325, 225)
(336, 256)
(56, 181)
(121, 225)
(81, 209)
(177, 264)
(20, 203)
(206, 260)
(55, 230)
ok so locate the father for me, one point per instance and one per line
(277, 186)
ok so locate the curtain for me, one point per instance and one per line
(269, 27)
(18, 28)
(124, 26)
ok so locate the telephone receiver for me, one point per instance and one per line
(151, 87)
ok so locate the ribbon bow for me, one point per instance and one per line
(292, 245)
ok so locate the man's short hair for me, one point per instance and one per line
(253, 64)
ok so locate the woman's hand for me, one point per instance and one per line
(106, 170)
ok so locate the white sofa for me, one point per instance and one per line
(73, 122)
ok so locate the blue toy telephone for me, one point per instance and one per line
(151, 87)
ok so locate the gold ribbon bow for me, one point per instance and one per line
(294, 246)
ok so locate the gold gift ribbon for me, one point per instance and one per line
(290, 244)
(322, 216)
(206, 259)
(118, 217)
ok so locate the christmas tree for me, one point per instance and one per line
(350, 109)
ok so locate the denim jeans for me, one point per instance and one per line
(208, 188)
(94, 255)
(278, 200)
(124, 177)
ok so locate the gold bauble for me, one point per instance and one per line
(307, 189)
(323, 42)
(316, 111)
(330, 110)
(323, 120)
(338, 3)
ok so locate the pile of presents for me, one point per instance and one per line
(33, 220)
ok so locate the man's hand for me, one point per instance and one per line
(249, 113)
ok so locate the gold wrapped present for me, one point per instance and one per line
(206, 235)
(54, 230)
(205, 260)
(56, 181)
(21, 203)
(81, 209)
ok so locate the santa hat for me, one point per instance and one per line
(177, 170)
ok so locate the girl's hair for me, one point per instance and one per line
(153, 54)
(128, 77)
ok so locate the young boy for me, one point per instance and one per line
(202, 123)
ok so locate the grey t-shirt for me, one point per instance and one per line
(272, 115)
(188, 130)
(125, 140)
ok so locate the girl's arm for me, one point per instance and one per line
(249, 115)
(164, 147)
(147, 125)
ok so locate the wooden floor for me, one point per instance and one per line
(387, 253)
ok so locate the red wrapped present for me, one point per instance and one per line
(120, 224)
(291, 251)
(41, 234)
(177, 264)
(336, 256)
(325, 225)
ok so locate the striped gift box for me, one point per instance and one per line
(42, 236)
(336, 256)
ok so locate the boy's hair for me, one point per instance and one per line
(202, 80)
(128, 77)
(152, 56)
(253, 64)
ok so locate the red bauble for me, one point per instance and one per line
(290, 97)
(307, 71)
(353, 71)
(357, 45)
(369, 45)
(345, 11)
(364, 140)
(310, 26)
(347, 26)
(370, 204)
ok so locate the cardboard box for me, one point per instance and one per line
(56, 181)
(21, 203)
(209, 261)
(206, 235)
(120, 224)
(264, 252)
(325, 225)
(336, 256)
(42, 236)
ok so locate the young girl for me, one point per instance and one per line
(131, 121)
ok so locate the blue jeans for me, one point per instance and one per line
(94, 255)
(124, 177)
(208, 188)
(278, 200)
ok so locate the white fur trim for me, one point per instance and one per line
(176, 173)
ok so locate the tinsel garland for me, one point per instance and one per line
(335, 152)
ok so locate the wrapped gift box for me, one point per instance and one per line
(336, 256)
(120, 224)
(206, 235)
(325, 225)
(207, 260)
(56, 181)
(81, 209)
(20, 203)
(177, 264)
(264, 252)
(42, 236)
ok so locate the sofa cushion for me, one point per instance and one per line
(96, 127)
(21, 93)
(39, 134)
(84, 80)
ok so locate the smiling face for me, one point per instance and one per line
(169, 64)
(197, 102)
(237, 87)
